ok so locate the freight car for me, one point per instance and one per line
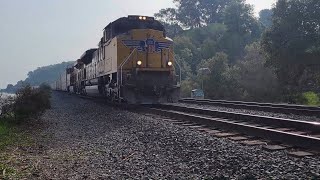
(62, 82)
(134, 63)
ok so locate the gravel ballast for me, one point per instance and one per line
(253, 112)
(87, 140)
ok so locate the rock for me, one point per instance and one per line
(117, 144)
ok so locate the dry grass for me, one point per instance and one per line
(16, 128)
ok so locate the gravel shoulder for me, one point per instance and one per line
(81, 139)
(254, 112)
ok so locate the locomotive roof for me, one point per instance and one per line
(135, 19)
(125, 24)
(87, 56)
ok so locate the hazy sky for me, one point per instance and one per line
(36, 33)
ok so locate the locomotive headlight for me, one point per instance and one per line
(139, 63)
(144, 18)
(140, 17)
(169, 63)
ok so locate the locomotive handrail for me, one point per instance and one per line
(175, 60)
(125, 61)
(121, 66)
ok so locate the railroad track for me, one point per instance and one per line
(277, 108)
(296, 133)
(301, 134)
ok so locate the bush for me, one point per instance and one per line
(186, 87)
(309, 98)
(29, 101)
(3, 127)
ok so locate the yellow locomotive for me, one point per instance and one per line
(134, 63)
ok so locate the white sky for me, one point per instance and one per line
(35, 33)
(261, 4)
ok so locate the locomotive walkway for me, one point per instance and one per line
(82, 139)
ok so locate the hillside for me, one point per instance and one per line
(45, 74)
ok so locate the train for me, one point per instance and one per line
(133, 63)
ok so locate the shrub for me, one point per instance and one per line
(310, 98)
(30, 101)
(3, 127)
(186, 87)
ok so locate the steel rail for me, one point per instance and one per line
(270, 134)
(278, 108)
(265, 120)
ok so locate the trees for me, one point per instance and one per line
(194, 45)
(219, 83)
(194, 13)
(232, 20)
(172, 30)
(257, 81)
(213, 10)
(265, 17)
(292, 44)
(168, 17)
(198, 13)
(189, 13)
(215, 32)
(242, 26)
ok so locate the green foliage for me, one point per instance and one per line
(46, 74)
(310, 98)
(185, 68)
(168, 18)
(221, 35)
(216, 34)
(226, 26)
(6, 171)
(202, 43)
(243, 29)
(213, 10)
(7, 135)
(198, 13)
(189, 13)
(30, 102)
(45, 89)
(292, 45)
(27, 102)
(3, 127)
(257, 81)
(265, 17)
(187, 86)
(10, 136)
(238, 17)
(218, 83)
(10, 133)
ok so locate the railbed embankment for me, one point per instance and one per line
(84, 139)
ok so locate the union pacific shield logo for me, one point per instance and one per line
(149, 45)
